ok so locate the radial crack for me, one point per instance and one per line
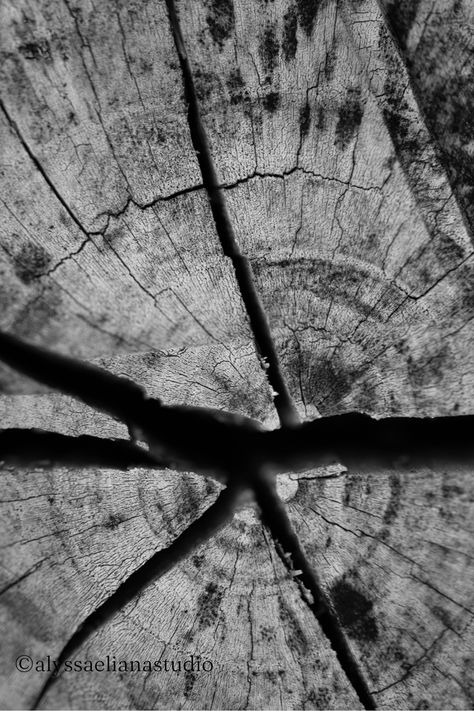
(291, 552)
(26, 448)
(42, 172)
(258, 320)
(211, 521)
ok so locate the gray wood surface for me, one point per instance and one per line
(341, 134)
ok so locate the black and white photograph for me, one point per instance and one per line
(237, 355)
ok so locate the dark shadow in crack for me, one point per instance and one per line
(291, 552)
(39, 448)
(198, 532)
(243, 271)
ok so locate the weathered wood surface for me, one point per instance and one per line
(363, 258)
(349, 192)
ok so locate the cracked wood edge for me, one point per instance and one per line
(263, 642)
(145, 577)
(82, 533)
(142, 253)
(395, 556)
(139, 285)
(96, 93)
(363, 262)
(439, 71)
(364, 270)
(243, 273)
(302, 666)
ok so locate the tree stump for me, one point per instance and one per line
(167, 169)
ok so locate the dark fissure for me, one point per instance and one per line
(276, 519)
(273, 512)
(272, 508)
(151, 571)
(355, 439)
(243, 270)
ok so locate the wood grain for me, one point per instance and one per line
(345, 169)
(357, 243)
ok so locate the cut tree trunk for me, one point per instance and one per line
(167, 169)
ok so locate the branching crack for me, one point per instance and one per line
(239, 453)
(223, 443)
(299, 169)
(88, 234)
(243, 270)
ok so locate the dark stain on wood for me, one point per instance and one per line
(465, 291)
(7, 298)
(220, 20)
(367, 389)
(65, 219)
(331, 383)
(271, 101)
(305, 120)
(320, 698)
(452, 495)
(236, 86)
(401, 123)
(269, 674)
(39, 50)
(391, 511)
(111, 237)
(440, 256)
(189, 679)
(211, 487)
(296, 637)
(208, 604)
(401, 16)
(34, 619)
(307, 11)
(267, 633)
(442, 615)
(330, 62)
(204, 83)
(349, 119)
(31, 262)
(398, 124)
(450, 490)
(197, 560)
(354, 611)
(321, 118)
(113, 521)
(431, 368)
(236, 400)
(269, 49)
(350, 484)
(447, 251)
(290, 39)
(332, 377)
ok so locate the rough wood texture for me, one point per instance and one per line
(101, 252)
(358, 247)
(435, 40)
(346, 167)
